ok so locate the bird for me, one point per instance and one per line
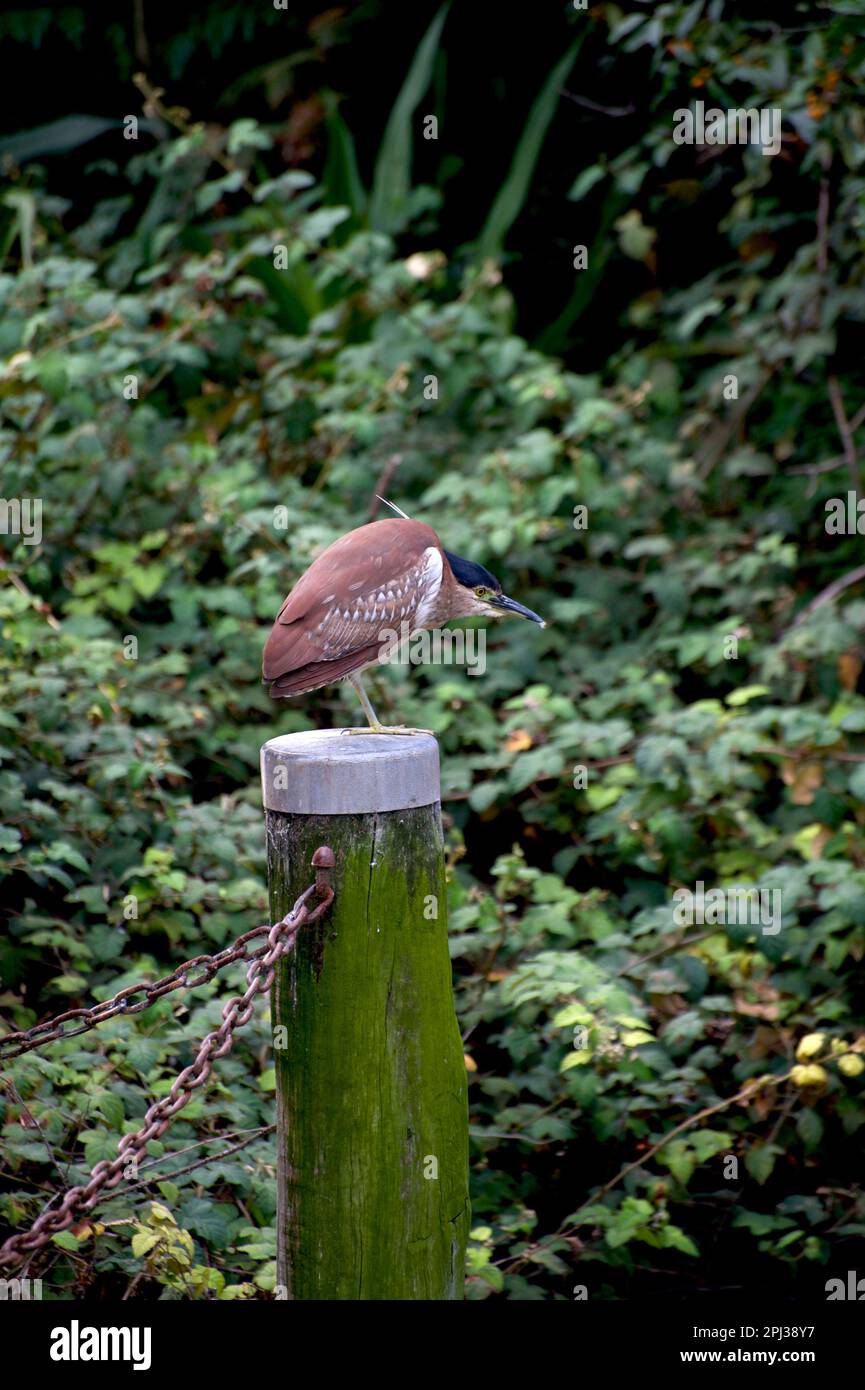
(342, 614)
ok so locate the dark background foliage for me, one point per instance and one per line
(705, 644)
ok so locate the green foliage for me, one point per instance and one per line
(514, 190)
(167, 1252)
(390, 201)
(689, 715)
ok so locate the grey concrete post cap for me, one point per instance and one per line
(328, 773)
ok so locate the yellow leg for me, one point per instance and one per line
(374, 726)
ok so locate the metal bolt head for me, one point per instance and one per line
(323, 858)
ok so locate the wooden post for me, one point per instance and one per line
(372, 1120)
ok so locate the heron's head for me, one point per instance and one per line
(479, 593)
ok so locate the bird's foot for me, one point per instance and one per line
(387, 729)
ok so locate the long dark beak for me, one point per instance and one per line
(511, 606)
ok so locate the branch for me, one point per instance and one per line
(845, 430)
(831, 591)
(718, 442)
(37, 603)
(199, 1162)
(823, 228)
(593, 105)
(745, 1094)
(383, 484)
(812, 470)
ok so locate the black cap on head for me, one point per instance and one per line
(471, 575)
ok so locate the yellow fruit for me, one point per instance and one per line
(850, 1065)
(809, 1076)
(809, 1046)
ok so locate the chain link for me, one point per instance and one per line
(13, 1044)
(108, 1172)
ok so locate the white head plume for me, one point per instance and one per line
(393, 507)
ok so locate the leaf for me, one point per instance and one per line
(341, 178)
(673, 1238)
(540, 763)
(575, 1059)
(585, 182)
(391, 184)
(856, 782)
(148, 579)
(811, 840)
(482, 796)
(211, 193)
(760, 1160)
(492, 1276)
(56, 137)
(548, 1260)
(849, 667)
(513, 193)
(635, 238)
(247, 134)
(708, 1142)
(694, 317)
(144, 1241)
(679, 1158)
(283, 186)
(293, 291)
(66, 1240)
(24, 205)
(746, 693)
(761, 1223)
(634, 1213)
(809, 1127)
(789, 1239)
(803, 778)
(571, 1014)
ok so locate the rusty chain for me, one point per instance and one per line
(26, 1039)
(108, 1172)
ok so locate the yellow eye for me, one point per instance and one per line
(481, 592)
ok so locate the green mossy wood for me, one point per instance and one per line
(371, 1086)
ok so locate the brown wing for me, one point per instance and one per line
(332, 622)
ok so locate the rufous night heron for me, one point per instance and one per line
(387, 577)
